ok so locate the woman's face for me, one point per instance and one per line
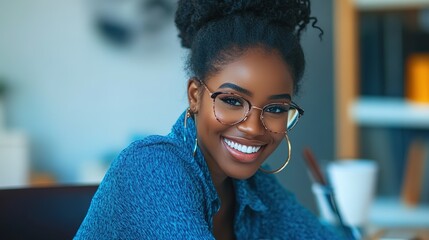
(259, 76)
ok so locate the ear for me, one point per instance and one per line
(194, 94)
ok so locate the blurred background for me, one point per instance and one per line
(83, 79)
(80, 80)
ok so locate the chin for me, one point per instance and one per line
(241, 174)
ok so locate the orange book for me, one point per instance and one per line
(417, 78)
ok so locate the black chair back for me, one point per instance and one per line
(44, 212)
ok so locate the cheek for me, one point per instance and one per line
(276, 140)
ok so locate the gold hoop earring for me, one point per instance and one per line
(194, 152)
(284, 164)
(188, 115)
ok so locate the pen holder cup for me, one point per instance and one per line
(326, 211)
(331, 214)
(353, 187)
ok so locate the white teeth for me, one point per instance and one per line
(242, 148)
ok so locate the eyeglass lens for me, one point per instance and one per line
(231, 109)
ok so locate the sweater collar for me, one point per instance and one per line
(246, 195)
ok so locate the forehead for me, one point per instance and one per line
(260, 71)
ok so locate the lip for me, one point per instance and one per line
(240, 156)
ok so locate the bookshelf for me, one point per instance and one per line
(353, 110)
(348, 104)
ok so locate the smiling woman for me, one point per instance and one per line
(205, 179)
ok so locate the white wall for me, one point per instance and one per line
(75, 96)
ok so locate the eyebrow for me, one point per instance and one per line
(236, 88)
(249, 93)
(280, 96)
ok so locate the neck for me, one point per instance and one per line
(222, 183)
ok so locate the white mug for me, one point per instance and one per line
(353, 182)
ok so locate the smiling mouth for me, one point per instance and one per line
(242, 148)
(243, 153)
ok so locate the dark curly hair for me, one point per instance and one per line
(218, 31)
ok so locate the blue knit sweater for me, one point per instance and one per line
(156, 189)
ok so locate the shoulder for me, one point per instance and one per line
(150, 171)
(153, 155)
(150, 191)
(153, 161)
(152, 147)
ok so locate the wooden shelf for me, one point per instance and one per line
(390, 4)
(390, 112)
(391, 212)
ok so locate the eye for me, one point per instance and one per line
(232, 100)
(277, 108)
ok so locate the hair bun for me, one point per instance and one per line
(191, 15)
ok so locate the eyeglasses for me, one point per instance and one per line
(230, 109)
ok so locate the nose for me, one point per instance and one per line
(252, 125)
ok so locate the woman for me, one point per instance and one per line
(205, 180)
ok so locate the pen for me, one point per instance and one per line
(317, 175)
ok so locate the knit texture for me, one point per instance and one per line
(157, 189)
